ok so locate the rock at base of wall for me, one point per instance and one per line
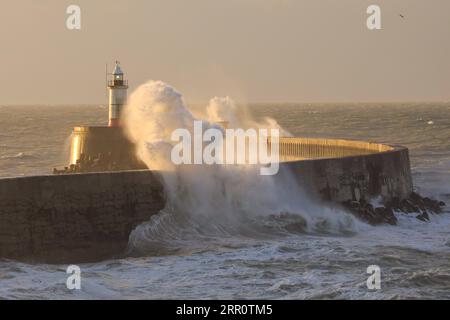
(414, 204)
(370, 214)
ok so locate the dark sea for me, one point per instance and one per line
(414, 256)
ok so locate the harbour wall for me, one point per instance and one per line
(342, 170)
(74, 218)
(296, 148)
(89, 217)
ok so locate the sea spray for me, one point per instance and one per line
(225, 111)
(206, 202)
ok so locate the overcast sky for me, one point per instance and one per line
(251, 50)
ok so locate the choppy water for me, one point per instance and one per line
(414, 257)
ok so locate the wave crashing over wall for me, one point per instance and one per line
(207, 204)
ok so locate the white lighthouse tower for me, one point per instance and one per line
(117, 87)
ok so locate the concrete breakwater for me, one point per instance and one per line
(354, 173)
(74, 218)
(341, 170)
(89, 216)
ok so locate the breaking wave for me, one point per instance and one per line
(207, 204)
(20, 155)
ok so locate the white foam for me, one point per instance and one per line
(214, 200)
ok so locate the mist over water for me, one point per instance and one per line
(257, 252)
(207, 203)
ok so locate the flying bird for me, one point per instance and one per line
(402, 16)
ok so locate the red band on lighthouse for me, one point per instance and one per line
(114, 123)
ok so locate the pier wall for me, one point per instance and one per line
(74, 218)
(357, 177)
(296, 148)
(342, 170)
(88, 217)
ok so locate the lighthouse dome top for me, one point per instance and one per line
(117, 69)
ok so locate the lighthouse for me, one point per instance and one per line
(105, 148)
(117, 88)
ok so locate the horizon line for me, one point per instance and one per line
(238, 103)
